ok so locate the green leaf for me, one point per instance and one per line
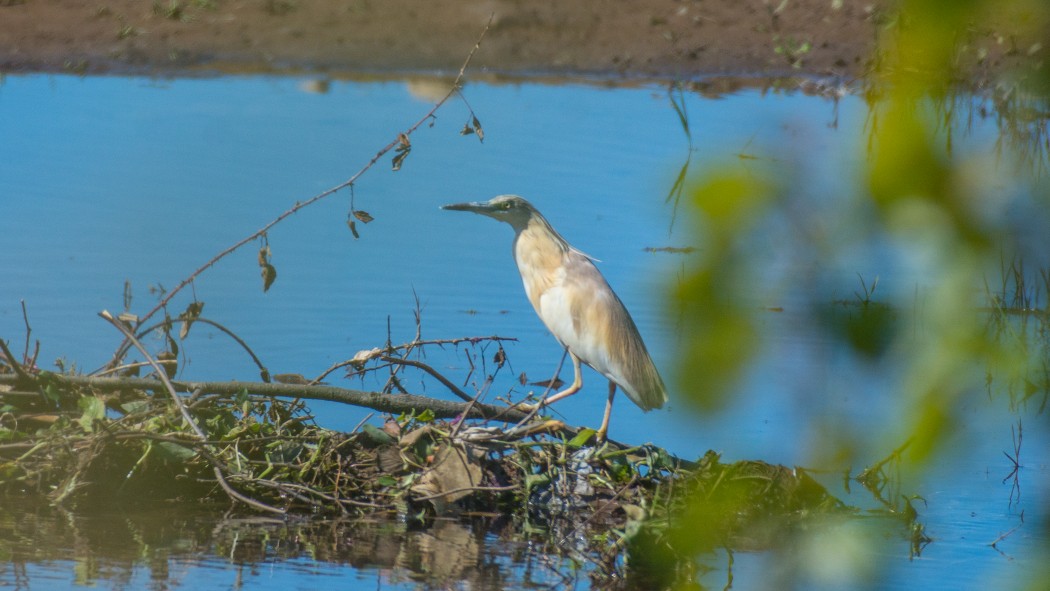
(385, 480)
(52, 393)
(427, 416)
(377, 435)
(533, 480)
(174, 452)
(581, 438)
(93, 410)
(269, 275)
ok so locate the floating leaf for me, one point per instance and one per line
(363, 216)
(269, 275)
(553, 384)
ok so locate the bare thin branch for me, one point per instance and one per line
(456, 85)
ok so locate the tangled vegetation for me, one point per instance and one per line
(82, 442)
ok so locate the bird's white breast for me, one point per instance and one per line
(568, 292)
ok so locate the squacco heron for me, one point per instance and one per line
(573, 299)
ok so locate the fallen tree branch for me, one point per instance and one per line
(390, 403)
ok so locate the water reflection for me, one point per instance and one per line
(166, 547)
(108, 180)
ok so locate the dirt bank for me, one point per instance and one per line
(666, 38)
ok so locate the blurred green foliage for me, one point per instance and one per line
(925, 200)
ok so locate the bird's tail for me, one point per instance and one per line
(650, 391)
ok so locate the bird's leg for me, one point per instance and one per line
(600, 436)
(577, 383)
(573, 388)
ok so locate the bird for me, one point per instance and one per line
(575, 302)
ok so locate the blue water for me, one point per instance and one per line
(107, 180)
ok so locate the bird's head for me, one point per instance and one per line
(506, 208)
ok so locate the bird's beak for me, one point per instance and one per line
(474, 206)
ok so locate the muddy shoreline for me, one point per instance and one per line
(643, 39)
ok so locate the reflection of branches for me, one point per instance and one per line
(874, 478)
(1022, 119)
(677, 98)
(995, 543)
(1015, 490)
(400, 140)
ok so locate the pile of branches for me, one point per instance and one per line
(80, 440)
